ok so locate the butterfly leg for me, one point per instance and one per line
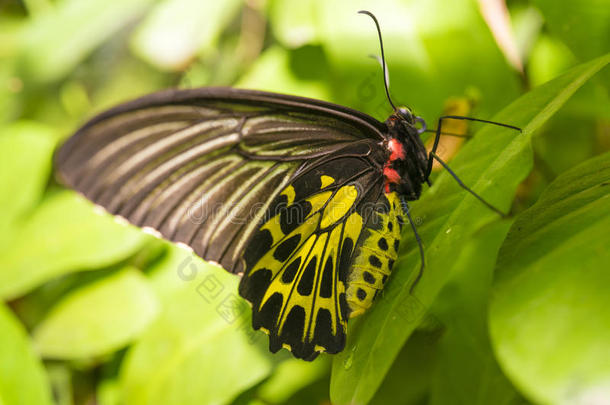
(433, 156)
(465, 187)
(438, 134)
(405, 208)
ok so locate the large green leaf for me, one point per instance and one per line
(63, 235)
(449, 360)
(99, 318)
(493, 164)
(549, 317)
(22, 377)
(466, 370)
(201, 349)
(410, 378)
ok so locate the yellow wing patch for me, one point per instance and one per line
(303, 305)
(326, 181)
(341, 203)
(290, 194)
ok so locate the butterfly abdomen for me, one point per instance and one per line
(375, 257)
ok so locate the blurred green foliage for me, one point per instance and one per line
(97, 312)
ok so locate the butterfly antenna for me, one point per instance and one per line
(382, 64)
(448, 133)
(386, 84)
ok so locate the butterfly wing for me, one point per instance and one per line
(202, 166)
(298, 262)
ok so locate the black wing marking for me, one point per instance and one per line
(202, 166)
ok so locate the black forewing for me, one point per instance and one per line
(202, 166)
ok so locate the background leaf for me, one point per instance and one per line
(493, 164)
(64, 235)
(289, 377)
(273, 72)
(97, 319)
(171, 46)
(57, 40)
(203, 332)
(22, 377)
(427, 63)
(584, 26)
(548, 320)
(25, 161)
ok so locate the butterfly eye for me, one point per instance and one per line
(406, 114)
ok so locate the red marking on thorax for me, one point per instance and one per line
(396, 150)
(391, 176)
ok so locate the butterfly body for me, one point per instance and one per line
(406, 168)
(303, 198)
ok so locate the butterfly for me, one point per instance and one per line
(302, 198)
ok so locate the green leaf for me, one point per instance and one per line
(63, 235)
(414, 364)
(168, 276)
(201, 349)
(273, 72)
(493, 164)
(294, 22)
(108, 393)
(61, 378)
(291, 376)
(9, 104)
(57, 41)
(99, 318)
(22, 377)
(582, 25)
(549, 317)
(550, 57)
(25, 164)
(466, 369)
(177, 30)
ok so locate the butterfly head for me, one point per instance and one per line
(406, 115)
